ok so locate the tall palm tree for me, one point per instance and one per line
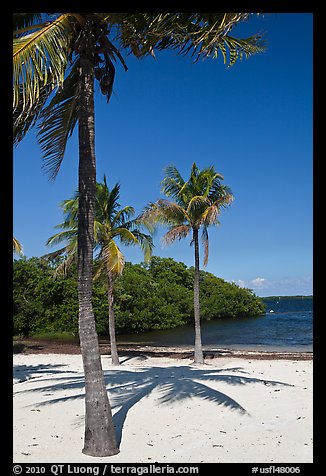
(197, 205)
(55, 60)
(111, 224)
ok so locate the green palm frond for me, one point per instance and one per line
(23, 120)
(145, 241)
(141, 221)
(208, 179)
(40, 58)
(123, 215)
(102, 198)
(107, 204)
(68, 253)
(196, 207)
(220, 195)
(172, 183)
(165, 212)
(125, 236)
(237, 48)
(63, 236)
(70, 209)
(99, 269)
(113, 258)
(205, 243)
(57, 123)
(102, 231)
(195, 34)
(62, 269)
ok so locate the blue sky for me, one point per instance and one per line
(252, 121)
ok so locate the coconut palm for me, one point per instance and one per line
(111, 224)
(197, 205)
(55, 60)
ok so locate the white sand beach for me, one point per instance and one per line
(166, 410)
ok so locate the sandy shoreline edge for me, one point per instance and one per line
(43, 346)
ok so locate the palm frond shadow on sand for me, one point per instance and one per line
(174, 383)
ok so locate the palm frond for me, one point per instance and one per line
(101, 231)
(239, 47)
(194, 34)
(196, 207)
(221, 195)
(69, 208)
(126, 236)
(205, 243)
(40, 58)
(98, 269)
(172, 182)
(123, 215)
(210, 216)
(176, 233)
(17, 247)
(62, 269)
(68, 253)
(113, 258)
(141, 221)
(55, 254)
(24, 120)
(107, 204)
(26, 21)
(102, 198)
(207, 179)
(66, 235)
(166, 212)
(57, 123)
(145, 242)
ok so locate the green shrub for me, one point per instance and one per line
(158, 295)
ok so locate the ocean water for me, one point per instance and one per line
(287, 325)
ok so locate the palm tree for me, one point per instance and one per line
(111, 224)
(55, 60)
(198, 203)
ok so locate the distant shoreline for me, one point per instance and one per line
(296, 296)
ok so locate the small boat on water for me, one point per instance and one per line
(271, 310)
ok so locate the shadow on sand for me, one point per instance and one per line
(128, 387)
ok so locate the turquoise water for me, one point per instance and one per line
(288, 327)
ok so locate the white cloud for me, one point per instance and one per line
(241, 283)
(283, 286)
(260, 283)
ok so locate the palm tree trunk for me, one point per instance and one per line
(99, 429)
(113, 342)
(198, 357)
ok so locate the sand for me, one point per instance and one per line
(167, 410)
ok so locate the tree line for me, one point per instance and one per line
(148, 296)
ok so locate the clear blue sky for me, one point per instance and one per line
(253, 122)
